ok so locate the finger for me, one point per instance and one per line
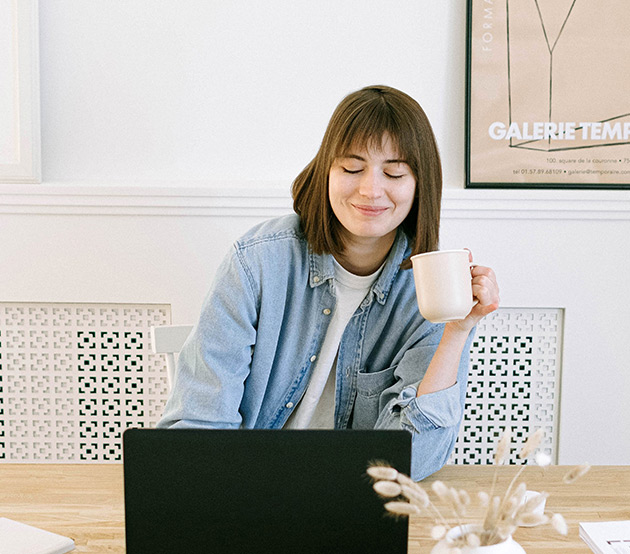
(482, 295)
(483, 270)
(485, 291)
(482, 310)
(486, 280)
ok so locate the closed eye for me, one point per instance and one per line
(394, 176)
(351, 171)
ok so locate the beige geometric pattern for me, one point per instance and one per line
(514, 382)
(73, 377)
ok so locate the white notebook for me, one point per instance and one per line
(606, 537)
(19, 538)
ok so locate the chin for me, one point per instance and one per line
(371, 232)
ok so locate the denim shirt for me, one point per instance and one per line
(249, 359)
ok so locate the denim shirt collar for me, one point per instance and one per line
(322, 268)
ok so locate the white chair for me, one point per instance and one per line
(169, 339)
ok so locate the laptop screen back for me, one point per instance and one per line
(255, 491)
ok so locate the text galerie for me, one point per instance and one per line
(570, 130)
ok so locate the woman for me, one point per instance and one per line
(312, 318)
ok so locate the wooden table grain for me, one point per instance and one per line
(86, 502)
(82, 501)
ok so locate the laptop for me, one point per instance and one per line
(260, 491)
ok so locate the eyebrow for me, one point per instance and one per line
(360, 158)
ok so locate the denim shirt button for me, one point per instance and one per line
(313, 358)
(326, 311)
(316, 279)
(289, 405)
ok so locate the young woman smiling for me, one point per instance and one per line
(312, 320)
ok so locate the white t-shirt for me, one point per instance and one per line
(316, 410)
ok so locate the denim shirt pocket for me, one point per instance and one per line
(369, 389)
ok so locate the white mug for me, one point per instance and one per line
(443, 285)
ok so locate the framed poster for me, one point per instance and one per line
(548, 94)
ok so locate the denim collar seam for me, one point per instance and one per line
(322, 269)
(384, 283)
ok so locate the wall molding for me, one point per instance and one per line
(243, 199)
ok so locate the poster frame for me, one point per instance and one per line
(523, 183)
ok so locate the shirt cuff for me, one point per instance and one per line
(429, 411)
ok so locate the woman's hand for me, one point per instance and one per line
(442, 371)
(485, 291)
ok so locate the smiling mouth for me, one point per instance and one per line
(369, 210)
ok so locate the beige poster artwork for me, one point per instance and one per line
(549, 96)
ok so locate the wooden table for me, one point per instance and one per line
(85, 502)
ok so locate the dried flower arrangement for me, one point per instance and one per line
(503, 513)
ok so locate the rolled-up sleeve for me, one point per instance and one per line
(433, 419)
(429, 411)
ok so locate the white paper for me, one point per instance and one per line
(19, 538)
(606, 537)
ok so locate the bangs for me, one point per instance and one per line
(368, 126)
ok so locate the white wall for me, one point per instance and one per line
(167, 91)
(169, 127)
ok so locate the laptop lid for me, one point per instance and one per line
(260, 491)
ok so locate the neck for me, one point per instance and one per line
(364, 256)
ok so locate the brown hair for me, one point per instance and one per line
(361, 120)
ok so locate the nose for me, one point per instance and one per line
(371, 184)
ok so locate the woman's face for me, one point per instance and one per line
(371, 191)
